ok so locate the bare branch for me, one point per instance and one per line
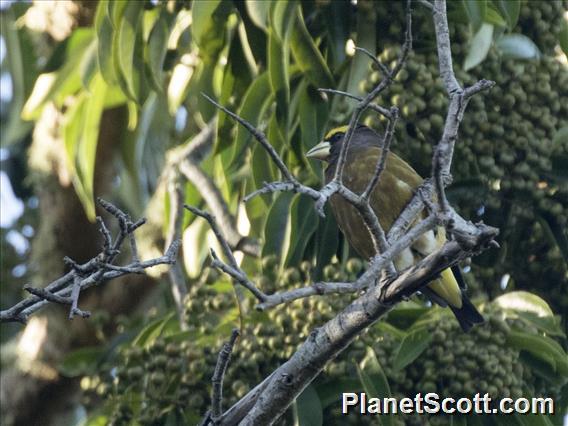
(426, 4)
(219, 375)
(382, 67)
(259, 136)
(383, 159)
(316, 289)
(377, 108)
(232, 269)
(443, 154)
(186, 159)
(67, 289)
(217, 204)
(295, 187)
(362, 105)
(379, 262)
(444, 48)
(218, 234)
(238, 275)
(47, 295)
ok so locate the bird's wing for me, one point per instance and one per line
(404, 171)
(385, 201)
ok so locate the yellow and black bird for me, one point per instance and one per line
(394, 190)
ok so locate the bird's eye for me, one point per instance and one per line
(336, 137)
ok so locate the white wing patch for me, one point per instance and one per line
(404, 260)
(426, 244)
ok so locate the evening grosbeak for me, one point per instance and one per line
(397, 185)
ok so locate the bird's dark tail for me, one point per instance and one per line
(467, 315)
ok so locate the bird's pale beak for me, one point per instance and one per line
(320, 151)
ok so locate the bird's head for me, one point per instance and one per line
(328, 150)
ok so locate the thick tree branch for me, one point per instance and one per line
(176, 196)
(288, 381)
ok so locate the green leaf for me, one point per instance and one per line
(542, 347)
(259, 11)
(560, 135)
(192, 198)
(57, 86)
(366, 38)
(81, 362)
(275, 134)
(330, 392)
(308, 408)
(479, 47)
(307, 55)
(237, 78)
(157, 48)
(374, 381)
(313, 112)
(386, 327)
(262, 170)
(510, 10)
(550, 326)
(178, 86)
(278, 76)
(124, 47)
(541, 368)
(276, 225)
(413, 344)
(87, 148)
(517, 46)
(555, 232)
(115, 10)
(492, 16)
(73, 124)
(79, 149)
(88, 65)
(202, 17)
(304, 221)
(152, 331)
(407, 313)
(205, 80)
(96, 420)
(524, 301)
(19, 51)
(533, 419)
(372, 376)
(283, 14)
(563, 37)
(327, 243)
(252, 109)
(105, 30)
(475, 10)
(559, 170)
(338, 31)
(194, 250)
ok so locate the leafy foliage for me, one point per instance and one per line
(265, 60)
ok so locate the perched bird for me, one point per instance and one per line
(394, 190)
